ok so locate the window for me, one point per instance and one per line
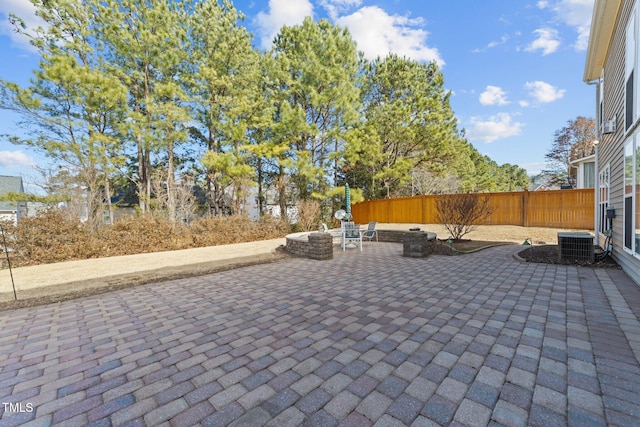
(632, 194)
(629, 65)
(636, 195)
(632, 70)
(588, 175)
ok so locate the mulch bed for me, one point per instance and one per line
(548, 254)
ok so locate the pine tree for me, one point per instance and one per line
(74, 105)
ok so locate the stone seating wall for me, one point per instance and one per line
(319, 246)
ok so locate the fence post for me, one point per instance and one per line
(6, 251)
(525, 208)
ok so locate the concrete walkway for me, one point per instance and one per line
(369, 338)
(99, 272)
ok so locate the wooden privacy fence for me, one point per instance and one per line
(556, 209)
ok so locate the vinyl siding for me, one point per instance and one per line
(611, 148)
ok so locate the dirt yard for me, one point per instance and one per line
(494, 233)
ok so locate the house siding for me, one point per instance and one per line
(611, 147)
(11, 211)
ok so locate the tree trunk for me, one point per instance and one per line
(171, 184)
(260, 190)
(143, 178)
(282, 193)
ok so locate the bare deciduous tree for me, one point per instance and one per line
(461, 213)
(572, 142)
(309, 213)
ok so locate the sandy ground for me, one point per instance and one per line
(96, 274)
(493, 233)
(61, 281)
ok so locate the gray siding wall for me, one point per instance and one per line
(611, 148)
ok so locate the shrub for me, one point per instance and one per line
(146, 233)
(309, 213)
(460, 213)
(55, 236)
(52, 236)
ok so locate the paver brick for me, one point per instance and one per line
(362, 386)
(342, 404)
(227, 396)
(313, 401)
(224, 416)
(471, 413)
(392, 386)
(550, 399)
(284, 380)
(452, 390)
(291, 417)
(281, 401)
(374, 405)
(439, 409)
(320, 419)
(108, 408)
(509, 414)
(132, 412)
(405, 408)
(193, 415)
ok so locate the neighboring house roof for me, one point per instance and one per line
(10, 184)
(544, 187)
(587, 159)
(603, 23)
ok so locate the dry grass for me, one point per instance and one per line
(491, 233)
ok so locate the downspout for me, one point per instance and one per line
(596, 166)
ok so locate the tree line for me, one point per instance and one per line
(157, 99)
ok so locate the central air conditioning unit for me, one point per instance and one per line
(609, 127)
(576, 247)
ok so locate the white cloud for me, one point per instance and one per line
(493, 128)
(281, 12)
(377, 34)
(336, 7)
(576, 14)
(534, 168)
(544, 92)
(12, 159)
(493, 95)
(25, 10)
(547, 41)
(542, 4)
(503, 40)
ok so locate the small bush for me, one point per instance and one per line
(135, 235)
(53, 236)
(222, 230)
(460, 213)
(309, 213)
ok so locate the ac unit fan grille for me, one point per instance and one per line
(576, 246)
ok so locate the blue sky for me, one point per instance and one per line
(514, 67)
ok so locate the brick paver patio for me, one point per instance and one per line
(369, 338)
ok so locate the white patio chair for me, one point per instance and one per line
(371, 231)
(351, 233)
